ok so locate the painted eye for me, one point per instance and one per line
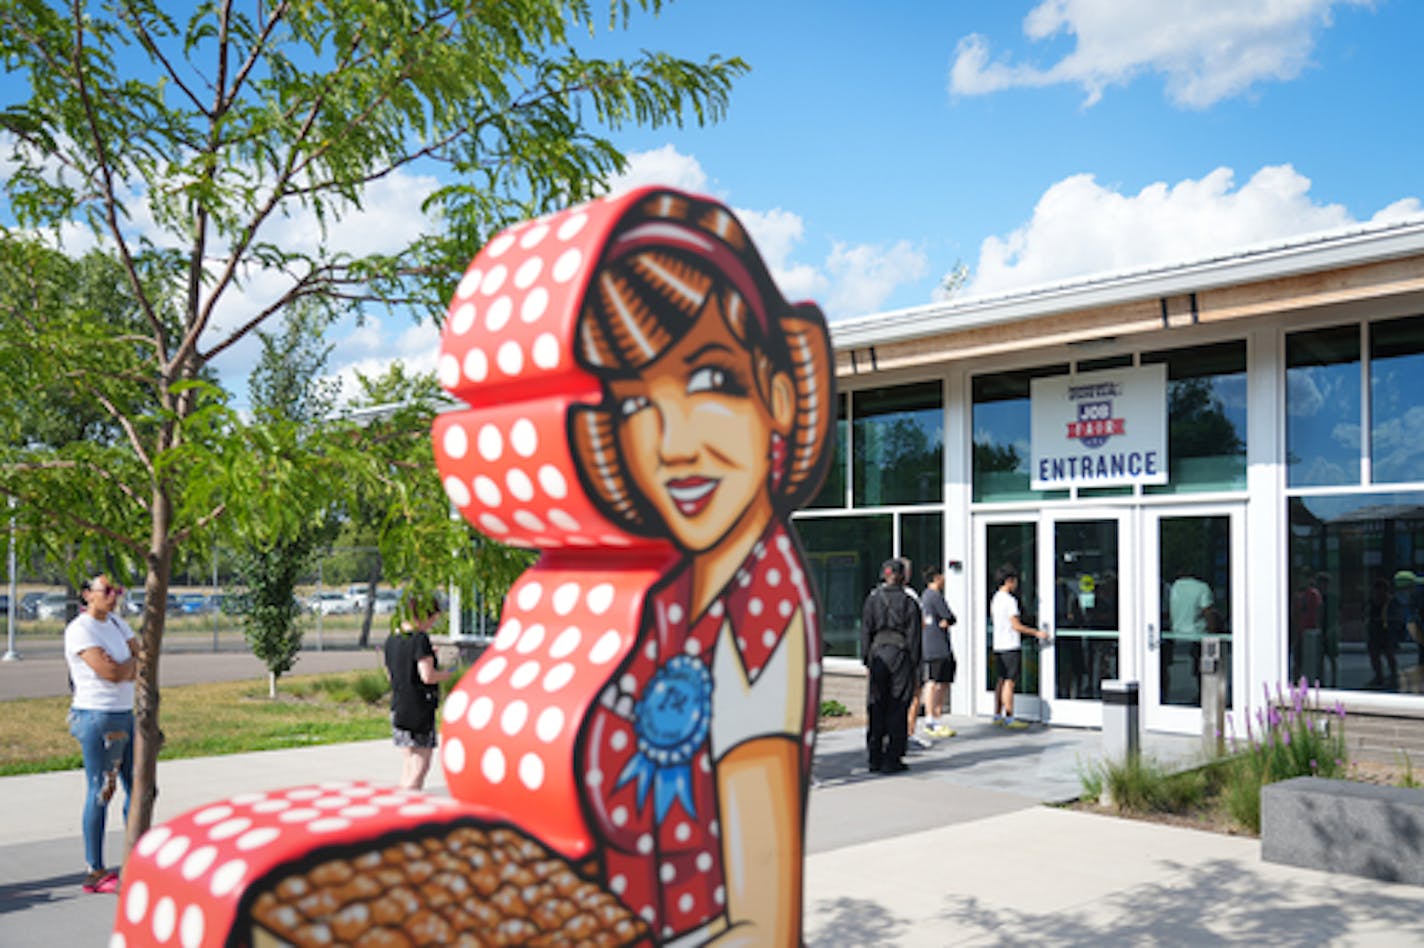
(632, 405)
(707, 379)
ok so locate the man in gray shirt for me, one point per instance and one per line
(938, 653)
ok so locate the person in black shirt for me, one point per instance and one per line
(415, 686)
(890, 624)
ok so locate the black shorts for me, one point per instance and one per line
(940, 670)
(1006, 665)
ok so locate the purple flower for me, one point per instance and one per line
(1285, 738)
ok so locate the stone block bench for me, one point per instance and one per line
(1345, 826)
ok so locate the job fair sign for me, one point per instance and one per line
(1099, 429)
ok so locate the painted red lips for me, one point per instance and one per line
(692, 494)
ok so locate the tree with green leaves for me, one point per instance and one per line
(187, 146)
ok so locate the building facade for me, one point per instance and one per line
(1284, 515)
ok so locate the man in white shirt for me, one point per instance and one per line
(1009, 630)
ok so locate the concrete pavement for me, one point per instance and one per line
(958, 851)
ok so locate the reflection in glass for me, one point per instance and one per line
(833, 489)
(1323, 407)
(1195, 568)
(1362, 555)
(1015, 544)
(922, 542)
(898, 445)
(1396, 409)
(1085, 606)
(844, 555)
(1206, 417)
(1001, 435)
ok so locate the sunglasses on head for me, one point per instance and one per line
(109, 590)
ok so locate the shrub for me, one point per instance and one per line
(1143, 785)
(831, 708)
(371, 686)
(1293, 737)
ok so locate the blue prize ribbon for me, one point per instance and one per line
(671, 721)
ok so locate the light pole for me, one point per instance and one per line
(10, 654)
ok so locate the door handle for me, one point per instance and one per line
(1152, 640)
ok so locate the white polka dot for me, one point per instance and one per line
(549, 724)
(692, 647)
(148, 844)
(755, 606)
(704, 862)
(563, 521)
(165, 919)
(449, 371)
(492, 524)
(510, 358)
(534, 305)
(491, 669)
(488, 491)
(363, 791)
(456, 490)
(666, 872)
(136, 901)
(513, 718)
(508, 635)
(455, 705)
(617, 884)
(519, 485)
(618, 740)
(619, 816)
(534, 235)
(531, 771)
(813, 670)
(419, 809)
(546, 351)
(528, 272)
(256, 839)
(362, 811)
(171, 852)
(529, 595)
(330, 824)
(191, 929)
(559, 676)
(453, 755)
(704, 763)
(605, 648)
(684, 902)
(567, 641)
(567, 266)
(716, 609)
(524, 438)
(492, 764)
(211, 815)
(784, 608)
(476, 365)
(532, 638)
(719, 895)
(645, 844)
(572, 225)
(481, 710)
(524, 675)
(674, 613)
(768, 638)
(229, 828)
(599, 598)
(302, 815)
(566, 597)
(651, 651)
(469, 283)
(594, 778)
(493, 280)
(498, 314)
(198, 862)
(491, 443)
(499, 245)
(456, 442)
(628, 683)
(228, 878)
(462, 319)
(529, 521)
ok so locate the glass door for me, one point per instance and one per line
(1006, 540)
(1087, 597)
(1196, 554)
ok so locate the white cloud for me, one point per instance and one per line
(666, 166)
(1205, 50)
(864, 276)
(372, 348)
(1081, 227)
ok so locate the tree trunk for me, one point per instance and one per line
(148, 737)
(372, 578)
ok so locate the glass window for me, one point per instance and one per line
(1355, 596)
(833, 489)
(1323, 407)
(898, 445)
(1001, 436)
(1206, 417)
(1016, 545)
(844, 555)
(922, 542)
(1397, 400)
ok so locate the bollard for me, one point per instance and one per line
(1213, 697)
(1120, 720)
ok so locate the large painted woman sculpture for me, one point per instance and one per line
(630, 759)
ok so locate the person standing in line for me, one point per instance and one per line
(415, 686)
(1009, 630)
(890, 623)
(939, 664)
(100, 649)
(912, 716)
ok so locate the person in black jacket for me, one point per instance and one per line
(890, 626)
(415, 686)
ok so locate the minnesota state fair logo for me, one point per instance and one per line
(1095, 424)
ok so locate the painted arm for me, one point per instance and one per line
(106, 668)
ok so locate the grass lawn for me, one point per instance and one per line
(204, 720)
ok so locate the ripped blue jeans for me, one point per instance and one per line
(106, 738)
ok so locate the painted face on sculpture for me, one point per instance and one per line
(696, 433)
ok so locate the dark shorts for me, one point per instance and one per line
(404, 738)
(940, 670)
(1006, 665)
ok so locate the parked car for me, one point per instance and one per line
(5, 603)
(51, 606)
(29, 602)
(192, 604)
(386, 601)
(133, 603)
(330, 604)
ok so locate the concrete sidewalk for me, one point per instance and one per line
(959, 850)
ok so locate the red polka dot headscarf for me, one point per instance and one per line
(551, 308)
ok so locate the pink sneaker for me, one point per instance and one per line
(104, 883)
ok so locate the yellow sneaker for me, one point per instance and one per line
(942, 730)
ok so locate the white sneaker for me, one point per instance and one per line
(920, 742)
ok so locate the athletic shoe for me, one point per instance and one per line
(895, 767)
(942, 730)
(1014, 724)
(998, 720)
(103, 882)
(920, 742)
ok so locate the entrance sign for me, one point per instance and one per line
(1099, 429)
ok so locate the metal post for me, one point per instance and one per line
(1121, 736)
(1213, 701)
(217, 612)
(10, 654)
(320, 612)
